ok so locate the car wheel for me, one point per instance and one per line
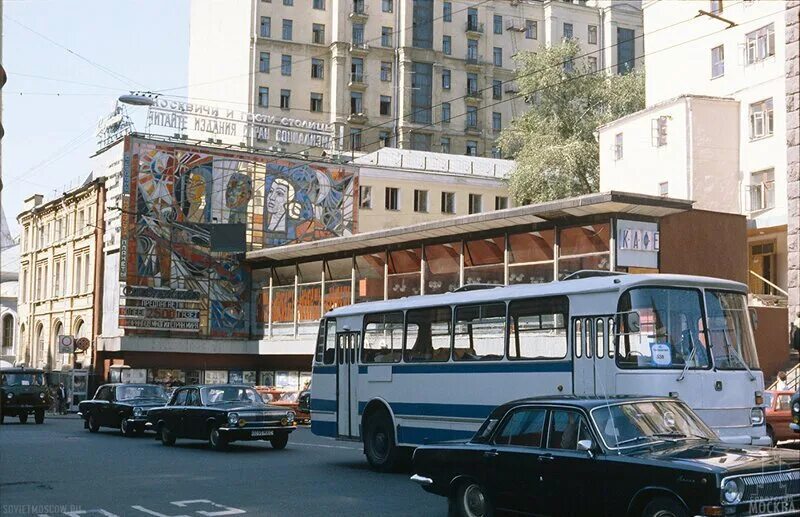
(167, 436)
(216, 440)
(2, 417)
(93, 425)
(279, 441)
(23, 418)
(664, 507)
(379, 446)
(471, 501)
(125, 428)
(38, 417)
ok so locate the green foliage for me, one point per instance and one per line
(553, 142)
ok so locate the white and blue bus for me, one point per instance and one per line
(400, 373)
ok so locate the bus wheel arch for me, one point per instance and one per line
(379, 436)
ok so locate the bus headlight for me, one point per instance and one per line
(731, 492)
(756, 416)
(233, 419)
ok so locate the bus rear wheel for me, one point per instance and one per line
(379, 444)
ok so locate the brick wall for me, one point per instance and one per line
(793, 151)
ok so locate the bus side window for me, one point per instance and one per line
(588, 336)
(383, 338)
(320, 342)
(610, 337)
(600, 337)
(329, 355)
(577, 337)
(480, 332)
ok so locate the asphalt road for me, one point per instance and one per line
(59, 468)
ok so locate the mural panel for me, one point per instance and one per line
(172, 280)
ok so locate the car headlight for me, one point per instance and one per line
(233, 419)
(10, 395)
(41, 395)
(756, 416)
(138, 412)
(796, 407)
(731, 492)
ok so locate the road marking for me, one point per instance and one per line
(227, 510)
(78, 513)
(151, 512)
(324, 446)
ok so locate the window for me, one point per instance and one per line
(447, 11)
(8, 331)
(567, 31)
(57, 278)
(497, 123)
(531, 29)
(447, 46)
(316, 102)
(355, 139)
(392, 201)
(286, 96)
(386, 71)
(497, 56)
(472, 149)
(567, 428)
(358, 34)
(386, 36)
(717, 62)
(524, 427)
(386, 105)
(538, 328)
(356, 103)
(592, 61)
(498, 24)
(359, 6)
(318, 33)
(87, 279)
(762, 190)
(618, 146)
(76, 285)
(421, 201)
(500, 202)
(385, 138)
(472, 84)
(317, 68)
(472, 19)
(286, 32)
(421, 141)
(286, 64)
(479, 332)
(663, 189)
(445, 144)
(445, 113)
(760, 44)
(716, 6)
(383, 338)
(263, 63)
(422, 93)
(592, 35)
(446, 79)
(475, 203)
(761, 119)
(263, 96)
(266, 27)
(472, 117)
(422, 30)
(497, 90)
(427, 335)
(357, 70)
(364, 196)
(448, 198)
(387, 6)
(318, 4)
(496, 152)
(626, 50)
(658, 131)
(472, 50)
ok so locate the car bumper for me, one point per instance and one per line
(422, 480)
(140, 423)
(24, 407)
(255, 433)
(779, 506)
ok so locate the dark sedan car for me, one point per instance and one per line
(624, 456)
(121, 406)
(221, 414)
(794, 425)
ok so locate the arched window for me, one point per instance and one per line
(25, 356)
(8, 331)
(80, 329)
(53, 357)
(40, 350)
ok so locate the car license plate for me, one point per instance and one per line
(255, 434)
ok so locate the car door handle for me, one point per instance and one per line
(546, 457)
(491, 454)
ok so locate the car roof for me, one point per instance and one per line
(585, 402)
(215, 386)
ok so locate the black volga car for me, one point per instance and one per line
(121, 406)
(221, 414)
(23, 392)
(626, 456)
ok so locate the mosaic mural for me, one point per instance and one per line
(173, 281)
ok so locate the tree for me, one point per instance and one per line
(554, 142)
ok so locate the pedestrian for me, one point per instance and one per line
(794, 334)
(780, 384)
(61, 399)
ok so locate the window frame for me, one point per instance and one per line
(449, 356)
(503, 423)
(540, 299)
(487, 303)
(366, 322)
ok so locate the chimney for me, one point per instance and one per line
(32, 202)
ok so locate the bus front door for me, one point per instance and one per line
(346, 384)
(583, 371)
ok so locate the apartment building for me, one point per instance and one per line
(713, 130)
(426, 75)
(59, 278)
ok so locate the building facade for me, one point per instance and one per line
(793, 152)
(59, 283)
(714, 131)
(427, 75)
(9, 288)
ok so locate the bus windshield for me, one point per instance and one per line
(661, 327)
(731, 336)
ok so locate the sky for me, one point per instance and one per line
(85, 55)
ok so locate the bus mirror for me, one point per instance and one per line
(632, 322)
(753, 318)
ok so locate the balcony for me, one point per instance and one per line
(473, 28)
(515, 26)
(358, 12)
(473, 96)
(511, 88)
(359, 48)
(357, 118)
(473, 61)
(472, 127)
(358, 81)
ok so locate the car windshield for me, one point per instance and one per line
(288, 397)
(140, 392)
(641, 423)
(661, 328)
(225, 394)
(732, 342)
(22, 379)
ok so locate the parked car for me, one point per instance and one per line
(221, 414)
(289, 399)
(121, 406)
(778, 412)
(623, 456)
(795, 402)
(304, 406)
(23, 392)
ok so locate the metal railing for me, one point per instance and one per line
(473, 26)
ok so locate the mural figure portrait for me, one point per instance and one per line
(280, 205)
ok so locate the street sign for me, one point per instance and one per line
(82, 344)
(66, 344)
